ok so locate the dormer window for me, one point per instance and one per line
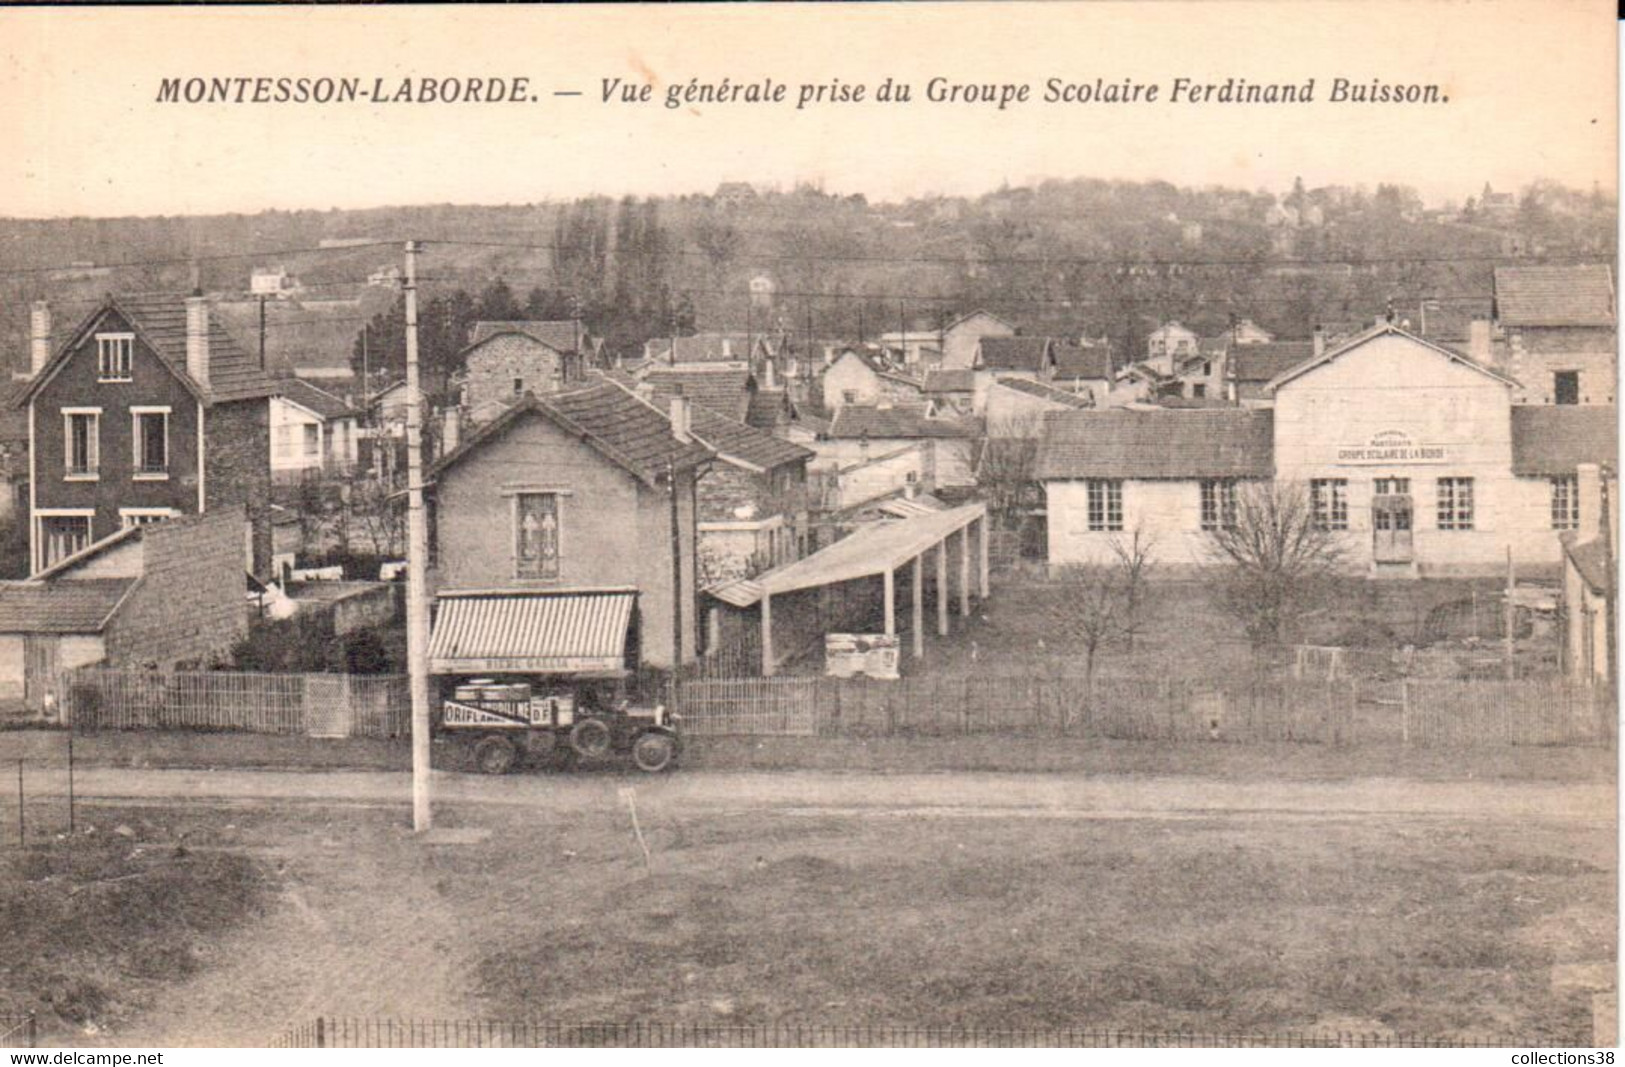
(114, 354)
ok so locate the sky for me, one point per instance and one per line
(1531, 87)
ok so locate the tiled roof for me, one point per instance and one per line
(938, 382)
(874, 421)
(703, 348)
(66, 606)
(1013, 353)
(1261, 363)
(722, 389)
(1554, 296)
(733, 439)
(629, 432)
(1230, 443)
(1555, 439)
(1046, 392)
(1075, 362)
(161, 319)
(562, 335)
(313, 399)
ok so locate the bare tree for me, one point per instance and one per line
(1135, 564)
(1277, 559)
(1085, 609)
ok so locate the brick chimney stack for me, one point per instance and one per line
(197, 339)
(1320, 340)
(39, 337)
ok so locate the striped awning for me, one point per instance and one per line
(524, 632)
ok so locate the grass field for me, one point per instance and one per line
(1426, 926)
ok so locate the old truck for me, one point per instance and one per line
(501, 723)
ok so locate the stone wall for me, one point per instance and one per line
(189, 604)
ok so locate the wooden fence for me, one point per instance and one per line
(343, 1032)
(1334, 712)
(318, 705)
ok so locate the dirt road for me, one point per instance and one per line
(933, 795)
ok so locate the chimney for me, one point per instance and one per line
(1588, 487)
(39, 337)
(451, 430)
(1478, 341)
(767, 376)
(681, 419)
(1320, 340)
(197, 339)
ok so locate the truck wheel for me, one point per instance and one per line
(654, 752)
(590, 738)
(494, 755)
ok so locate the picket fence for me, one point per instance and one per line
(1258, 708)
(316, 705)
(1339, 711)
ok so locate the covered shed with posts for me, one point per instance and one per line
(855, 582)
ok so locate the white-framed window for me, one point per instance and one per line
(313, 441)
(1105, 504)
(1329, 502)
(1218, 504)
(1455, 504)
(128, 517)
(537, 535)
(81, 443)
(115, 352)
(61, 533)
(1566, 502)
(150, 438)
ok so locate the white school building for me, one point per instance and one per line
(1415, 454)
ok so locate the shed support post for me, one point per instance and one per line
(964, 570)
(891, 602)
(767, 634)
(981, 525)
(942, 588)
(918, 598)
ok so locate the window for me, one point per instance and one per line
(1207, 368)
(82, 445)
(849, 396)
(519, 387)
(1199, 390)
(1392, 486)
(151, 437)
(1566, 502)
(60, 536)
(1218, 504)
(536, 535)
(129, 517)
(1455, 503)
(1566, 387)
(114, 352)
(1329, 500)
(313, 440)
(1105, 504)
(1391, 518)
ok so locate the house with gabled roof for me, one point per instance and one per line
(587, 494)
(859, 432)
(1412, 455)
(145, 410)
(1558, 325)
(505, 360)
(312, 431)
(753, 503)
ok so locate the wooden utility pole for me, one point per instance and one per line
(417, 556)
(1509, 617)
(262, 331)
